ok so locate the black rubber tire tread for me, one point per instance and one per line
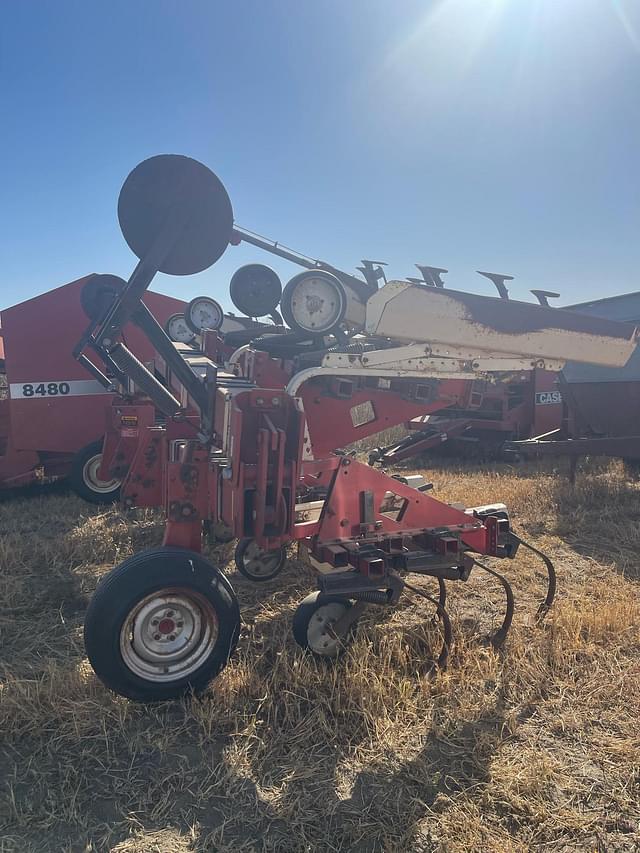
(242, 546)
(302, 617)
(76, 480)
(124, 586)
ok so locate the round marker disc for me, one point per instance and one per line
(181, 202)
(99, 293)
(255, 290)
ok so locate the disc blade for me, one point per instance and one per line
(177, 189)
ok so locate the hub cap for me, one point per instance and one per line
(316, 304)
(320, 637)
(91, 479)
(168, 634)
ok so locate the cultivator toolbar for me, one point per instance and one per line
(252, 437)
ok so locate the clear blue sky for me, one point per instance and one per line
(469, 134)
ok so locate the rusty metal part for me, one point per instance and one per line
(447, 631)
(551, 575)
(500, 635)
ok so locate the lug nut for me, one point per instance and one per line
(172, 636)
(156, 636)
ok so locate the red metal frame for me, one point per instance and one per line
(271, 450)
(252, 486)
(502, 410)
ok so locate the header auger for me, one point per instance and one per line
(253, 439)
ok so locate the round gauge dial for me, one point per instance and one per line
(313, 302)
(177, 329)
(203, 313)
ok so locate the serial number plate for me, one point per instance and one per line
(72, 388)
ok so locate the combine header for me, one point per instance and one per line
(602, 403)
(252, 439)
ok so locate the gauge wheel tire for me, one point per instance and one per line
(286, 306)
(248, 554)
(84, 479)
(162, 624)
(187, 315)
(255, 290)
(313, 616)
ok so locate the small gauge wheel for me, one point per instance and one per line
(313, 623)
(177, 329)
(203, 313)
(257, 564)
(314, 302)
(255, 290)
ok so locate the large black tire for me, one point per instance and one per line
(83, 478)
(163, 623)
(256, 564)
(313, 616)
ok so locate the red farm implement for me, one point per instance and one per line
(51, 414)
(504, 408)
(498, 411)
(251, 439)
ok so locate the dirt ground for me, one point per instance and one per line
(535, 747)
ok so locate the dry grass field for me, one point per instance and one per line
(536, 747)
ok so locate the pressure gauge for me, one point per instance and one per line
(314, 301)
(177, 329)
(203, 313)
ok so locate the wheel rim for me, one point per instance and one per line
(260, 563)
(92, 480)
(317, 304)
(168, 634)
(320, 637)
